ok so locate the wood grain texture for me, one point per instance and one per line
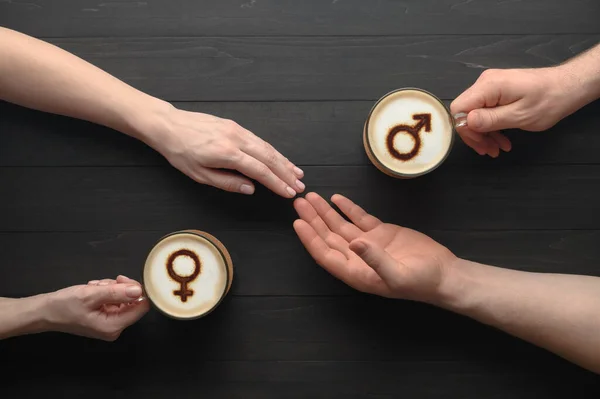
(457, 198)
(81, 202)
(297, 17)
(267, 262)
(311, 68)
(296, 347)
(309, 133)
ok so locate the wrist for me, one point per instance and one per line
(580, 82)
(149, 121)
(460, 286)
(32, 313)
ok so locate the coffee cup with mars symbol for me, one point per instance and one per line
(409, 133)
(187, 274)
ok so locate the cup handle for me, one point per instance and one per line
(460, 119)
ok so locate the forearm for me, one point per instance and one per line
(38, 75)
(22, 316)
(560, 313)
(580, 78)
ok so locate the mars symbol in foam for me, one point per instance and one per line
(423, 122)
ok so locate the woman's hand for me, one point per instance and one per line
(204, 146)
(101, 309)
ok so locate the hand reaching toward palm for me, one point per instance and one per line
(369, 255)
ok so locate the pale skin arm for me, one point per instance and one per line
(100, 309)
(41, 76)
(22, 316)
(558, 312)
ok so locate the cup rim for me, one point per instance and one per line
(385, 167)
(222, 252)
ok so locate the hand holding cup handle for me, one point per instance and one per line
(460, 120)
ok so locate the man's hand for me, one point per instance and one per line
(527, 99)
(101, 309)
(202, 145)
(371, 256)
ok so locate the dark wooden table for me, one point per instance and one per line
(80, 202)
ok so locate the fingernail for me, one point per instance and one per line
(93, 282)
(246, 189)
(300, 185)
(291, 191)
(103, 283)
(298, 171)
(133, 291)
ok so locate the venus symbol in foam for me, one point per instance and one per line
(424, 121)
(183, 292)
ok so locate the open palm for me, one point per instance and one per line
(367, 254)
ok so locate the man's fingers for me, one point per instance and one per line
(331, 260)
(272, 159)
(503, 141)
(334, 220)
(493, 88)
(379, 260)
(114, 294)
(355, 213)
(308, 213)
(226, 181)
(485, 120)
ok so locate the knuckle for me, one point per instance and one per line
(231, 128)
(230, 185)
(489, 74)
(272, 158)
(263, 172)
(82, 293)
(225, 152)
(493, 118)
(113, 294)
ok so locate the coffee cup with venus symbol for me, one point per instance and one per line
(409, 132)
(187, 274)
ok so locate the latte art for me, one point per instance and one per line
(408, 133)
(414, 132)
(187, 274)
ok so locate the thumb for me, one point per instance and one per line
(485, 120)
(114, 294)
(378, 260)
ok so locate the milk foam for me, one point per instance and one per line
(399, 108)
(208, 287)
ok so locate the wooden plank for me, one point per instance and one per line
(311, 68)
(267, 263)
(457, 198)
(309, 133)
(333, 345)
(297, 17)
(303, 329)
(293, 380)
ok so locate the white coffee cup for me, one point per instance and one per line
(187, 274)
(409, 132)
